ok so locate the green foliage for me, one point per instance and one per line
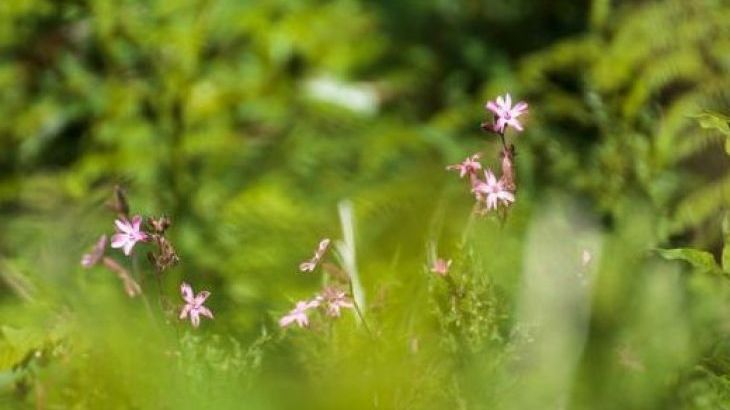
(248, 122)
(701, 260)
(625, 96)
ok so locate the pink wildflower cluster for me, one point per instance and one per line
(489, 191)
(441, 266)
(331, 300)
(129, 233)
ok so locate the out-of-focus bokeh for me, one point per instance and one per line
(256, 126)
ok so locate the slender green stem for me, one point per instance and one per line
(362, 318)
(359, 312)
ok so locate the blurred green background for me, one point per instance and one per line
(248, 122)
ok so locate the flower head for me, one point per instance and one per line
(308, 266)
(441, 266)
(92, 258)
(128, 234)
(194, 304)
(298, 315)
(506, 115)
(492, 191)
(334, 299)
(469, 166)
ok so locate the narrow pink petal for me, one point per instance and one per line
(323, 245)
(307, 266)
(499, 125)
(187, 293)
(508, 101)
(184, 311)
(136, 222)
(500, 101)
(123, 225)
(506, 196)
(489, 175)
(286, 321)
(195, 317)
(491, 202)
(520, 108)
(128, 247)
(302, 320)
(492, 107)
(513, 122)
(200, 297)
(206, 312)
(118, 240)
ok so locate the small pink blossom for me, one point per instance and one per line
(92, 258)
(505, 114)
(441, 266)
(308, 266)
(194, 304)
(298, 315)
(492, 191)
(334, 299)
(469, 166)
(128, 234)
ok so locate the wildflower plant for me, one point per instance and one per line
(492, 193)
(130, 233)
(330, 300)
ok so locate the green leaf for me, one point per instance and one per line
(716, 121)
(701, 260)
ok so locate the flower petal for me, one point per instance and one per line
(489, 176)
(307, 266)
(286, 320)
(205, 312)
(506, 196)
(136, 222)
(194, 317)
(201, 297)
(123, 225)
(493, 108)
(187, 293)
(302, 320)
(516, 124)
(118, 240)
(184, 311)
(128, 247)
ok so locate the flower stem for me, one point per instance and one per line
(360, 315)
(362, 318)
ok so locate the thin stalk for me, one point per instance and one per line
(362, 318)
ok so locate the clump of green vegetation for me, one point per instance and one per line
(582, 245)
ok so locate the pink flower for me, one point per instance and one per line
(92, 258)
(194, 304)
(299, 314)
(334, 299)
(492, 191)
(469, 166)
(441, 266)
(128, 234)
(308, 266)
(505, 114)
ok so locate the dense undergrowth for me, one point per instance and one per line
(599, 278)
